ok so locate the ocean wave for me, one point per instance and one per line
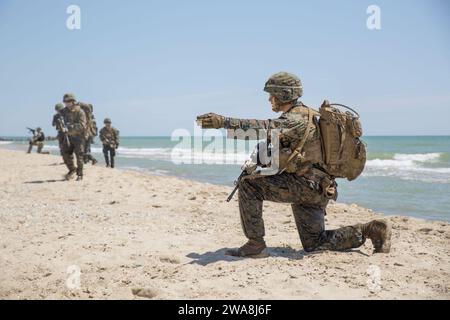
(180, 155)
(405, 160)
(418, 157)
(6, 142)
(410, 167)
(176, 155)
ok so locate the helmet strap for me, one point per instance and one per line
(281, 105)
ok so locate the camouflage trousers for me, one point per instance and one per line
(308, 205)
(61, 138)
(109, 153)
(87, 150)
(39, 144)
(76, 146)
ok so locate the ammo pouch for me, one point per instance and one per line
(327, 185)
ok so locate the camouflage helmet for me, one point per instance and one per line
(284, 86)
(107, 120)
(69, 97)
(59, 106)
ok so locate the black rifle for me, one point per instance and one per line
(61, 127)
(236, 183)
(33, 131)
(109, 144)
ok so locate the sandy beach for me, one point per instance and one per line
(132, 235)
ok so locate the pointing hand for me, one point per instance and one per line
(211, 121)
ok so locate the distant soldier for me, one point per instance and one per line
(91, 131)
(58, 123)
(110, 139)
(75, 122)
(37, 140)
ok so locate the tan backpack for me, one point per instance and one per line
(91, 124)
(343, 154)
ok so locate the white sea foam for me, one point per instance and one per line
(418, 157)
(6, 142)
(406, 161)
(177, 155)
(180, 155)
(409, 167)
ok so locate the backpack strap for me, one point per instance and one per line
(298, 148)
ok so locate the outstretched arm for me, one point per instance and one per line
(245, 124)
(215, 121)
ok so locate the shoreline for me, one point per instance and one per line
(155, 172)
(163, 237)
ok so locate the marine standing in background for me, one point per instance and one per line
(37, 140)
(58, 123)
(306, 185)
(75, 122)
(110, 139)
(91, 131)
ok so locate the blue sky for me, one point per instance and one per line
(152, 66)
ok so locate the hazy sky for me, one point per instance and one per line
(152, 66)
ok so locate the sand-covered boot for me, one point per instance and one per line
(251, 248)
(71, 174)
(379, 232)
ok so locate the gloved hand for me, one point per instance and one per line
(211, 121)
(249, 167)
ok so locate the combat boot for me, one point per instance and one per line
(379, 232)
(70, 175)
(251, 248)
(79, 178)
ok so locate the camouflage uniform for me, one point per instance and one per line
(110, 140)
(37, 140)
(75, 121)
(304, 189)
(91, 132)
(297, 177)
(56, 123)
